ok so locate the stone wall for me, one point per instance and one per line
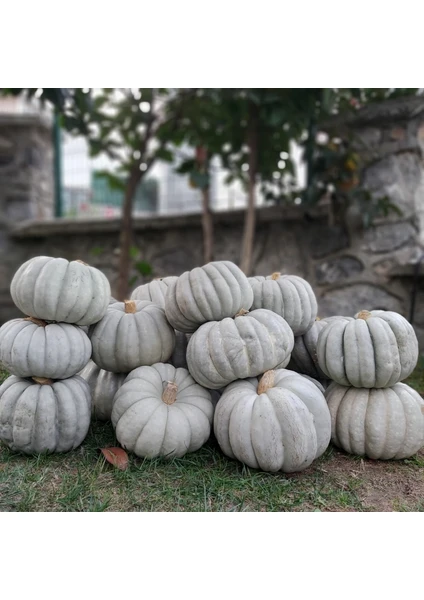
(349, 268)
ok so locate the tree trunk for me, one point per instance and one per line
(250, 218)
(207, 226)
(125, 236)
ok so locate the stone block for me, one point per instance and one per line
(337, 269)
(324, 240)
(353, 298)
(388, 236)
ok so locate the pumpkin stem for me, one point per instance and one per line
(266, 382)
(317, 318)
(39, 322)
(364, 314)
(170, 392)
(81, 262)
(275, 276)
(130, 306)
(241, 313)
(43, 380)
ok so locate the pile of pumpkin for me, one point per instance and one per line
(208, 349)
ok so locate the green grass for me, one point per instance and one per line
(205, 481)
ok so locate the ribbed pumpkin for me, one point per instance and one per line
(304, 358)
(161, 411)
(55, 289)
(43, 416)
(280, 423)
(379, 423)
(33, 348)
(132, 334)
(222, 351)
(376, 349)
(154, 291)
(289, 296)
(209, 293)
(103, 385)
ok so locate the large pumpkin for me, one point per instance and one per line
(246, 346)
(54, 289)
(379, 423)
(304, 358)
(376, 349)
(131, 334)
(154, 291)
(289, 296)
(42, 416)
(209, 293)
(103, 385)
(33, 348)
(280, 423)
(161, 411)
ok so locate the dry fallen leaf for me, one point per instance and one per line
(116, 456)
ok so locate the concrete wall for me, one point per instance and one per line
(350, 268)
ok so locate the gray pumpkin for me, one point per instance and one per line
(222, 351)
(375, 349)
(55, 289)
(44, 416)
(161, 411)
(279, 423)
(154, 291)
(289, 296)
(379, 423)
(33, 348)
(103, 385)
(209, 293)
(132, 334)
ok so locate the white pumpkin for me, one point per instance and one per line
(289, 296)
(209, 293)
(379, 423)
(41, 416)
(161, 411)
(132, 334)
(103, 385)
(280, 423)
(55, 289)
(222, 351)
(304, 358)
(154, 291)
(33, 348)
(376, 349)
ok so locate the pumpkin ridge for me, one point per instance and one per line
(151, 415)
(238, 285)
(226, 337)
(92, 288)
(29, 343)
(37, 284)
(212, 282)
(63, 287)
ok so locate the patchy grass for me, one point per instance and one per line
(416, 380)
(206, 481)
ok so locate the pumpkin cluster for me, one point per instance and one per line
(205, 351)
(45, 406)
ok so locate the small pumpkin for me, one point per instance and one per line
(161, 411)
(304, 358)
(222, 351)
(131, 334)
(54, 289)
(103, 385)
(374, 350)
(379, 423)
(279, 423)
(154, 291)
(31, 347)
(42, 416)
(209, 293)
(289, 296)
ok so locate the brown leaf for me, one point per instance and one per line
(116, 456)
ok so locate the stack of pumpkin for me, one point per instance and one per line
(45, 406)
(367, 357)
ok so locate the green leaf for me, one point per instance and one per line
(97, 250)
(134, 252)
(114, 182)
(143, 267)
(164, 154)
